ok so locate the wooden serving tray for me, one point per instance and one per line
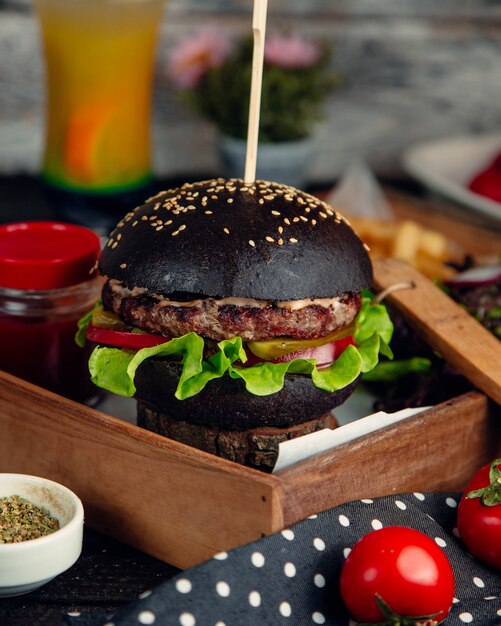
(183, 505)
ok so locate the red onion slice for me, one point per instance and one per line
(477, 277)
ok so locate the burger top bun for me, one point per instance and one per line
(224, 238)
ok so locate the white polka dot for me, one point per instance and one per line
(466, 617)
(255, 598)
(343, 520)
(314, 516)
(479, 582)
(418, 495)
(285, 609)
(220, 556)
(401, 505)
(319, 581)
(145, 594)
(183, 585)
(319, 544)
(288, 534)
(223, 589)
(451, 502)
(148, 617)
(318, 618)
(440, 542)
(455, 600)
(376, 524)
(257, 559)
(346, 552)
(367, 501)
(455, 532)
(187, 619)
(290, 570)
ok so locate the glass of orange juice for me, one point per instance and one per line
(99, 70)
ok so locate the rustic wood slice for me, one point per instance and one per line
(254, 447)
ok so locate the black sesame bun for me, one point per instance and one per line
(230, 239)
(227, 239)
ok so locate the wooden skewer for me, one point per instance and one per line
(259, 30)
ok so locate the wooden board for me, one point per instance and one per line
(183, 505)
(447, 327)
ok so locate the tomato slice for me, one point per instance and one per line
(123, 339)
(324, 355)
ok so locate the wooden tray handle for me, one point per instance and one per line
(442, 323)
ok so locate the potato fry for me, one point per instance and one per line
(425, 249)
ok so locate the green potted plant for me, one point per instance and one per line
(213, 77)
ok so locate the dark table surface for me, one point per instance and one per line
(107, 576)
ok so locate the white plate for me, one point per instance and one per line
(447, 166)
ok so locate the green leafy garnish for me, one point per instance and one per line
(114, 369)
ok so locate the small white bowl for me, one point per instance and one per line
(27, 565)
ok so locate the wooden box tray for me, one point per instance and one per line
(183, 505)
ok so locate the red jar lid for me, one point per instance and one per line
(46, 255)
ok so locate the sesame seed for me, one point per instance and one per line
(226, 231)
(275, 212)
(280, 241)
(270, 239)
(144, 218)
(251, 243)
(367, 247)
(168, 223)
(214, 197)
(135, 223)
(208, 212)
(293, 240)
(287, 221)
(295, 219)
(153, 217)
(175, 233)
(302, 217)
(261, 201)
(329, 211)
(182, 227)
(114, 245)
(280, 229)
(191, 207)
(157, 206)
(313, 222)
(322, 214)
(269, 197)
(159, 227)
(123, 266)
(229, 201)
(307, 209)
(301, 201)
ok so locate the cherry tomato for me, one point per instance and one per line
(403, 568)
(324, 355)
(479, 514)
(123, 339)
(488, 182)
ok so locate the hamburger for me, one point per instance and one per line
(236, 315)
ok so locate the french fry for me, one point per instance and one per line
(425, 249)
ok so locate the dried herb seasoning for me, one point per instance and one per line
(20, 520)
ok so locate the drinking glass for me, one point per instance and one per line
(99, 58)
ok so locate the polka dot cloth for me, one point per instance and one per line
(291, 578)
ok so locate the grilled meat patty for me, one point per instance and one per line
(252, 320)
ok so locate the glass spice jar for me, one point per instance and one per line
(48, 281)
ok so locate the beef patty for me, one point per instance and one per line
(252, 320)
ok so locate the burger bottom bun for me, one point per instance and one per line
(225, 403)
(254, 447)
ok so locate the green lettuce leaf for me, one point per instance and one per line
(390, 371)
(114, 369)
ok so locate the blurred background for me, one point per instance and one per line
(411, 70)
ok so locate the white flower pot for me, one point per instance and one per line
(285, 162)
